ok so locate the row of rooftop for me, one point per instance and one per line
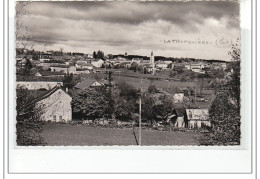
(89, 65)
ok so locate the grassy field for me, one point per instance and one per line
(73, 135)
(136, 82)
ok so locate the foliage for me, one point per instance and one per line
(125, 101)
(154, 111)
(127, 91)
(94, 54)
(91, 104)
(226, 122)
(35, 56)
(234, 83)
(98, 55)
(29, 127)
(225, 109)
(69, 81)
(134, 66)
(215, 72)
(148, 107)
(152, 89)
(177, 69)
(124, 109)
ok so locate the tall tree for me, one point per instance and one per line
(225, 109)
(95, 55)
(91, 104)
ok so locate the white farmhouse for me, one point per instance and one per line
(162, 65)
(55, 106)
(97, 63)
(178, 97)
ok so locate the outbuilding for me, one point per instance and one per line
(197, 118)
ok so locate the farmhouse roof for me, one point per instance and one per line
(180, 111)
(87, 83)
(51, 73)
(60, 65)
(49, 93)
(83, 63)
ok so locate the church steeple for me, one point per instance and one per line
(152, 62)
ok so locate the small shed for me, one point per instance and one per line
(198, 118)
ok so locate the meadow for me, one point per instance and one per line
(56, 134)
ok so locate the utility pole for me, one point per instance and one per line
(140, 115)
(195, 95)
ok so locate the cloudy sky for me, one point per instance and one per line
(135, 27)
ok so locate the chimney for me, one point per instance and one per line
(67, 90)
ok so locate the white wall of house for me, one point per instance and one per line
(56, 107)
(72, 69)
(178, 97)
(162, 65)
(97, 64)
(59, 69)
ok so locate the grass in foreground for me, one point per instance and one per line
(76, 135)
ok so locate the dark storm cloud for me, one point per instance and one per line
(136, 27)
(137, 12)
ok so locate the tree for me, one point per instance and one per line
(29, 127)
(156, 109)
(95, 55)
(124, 109)
(28, 64)
(152, 89)
(35, 56)
(91, 104)
(148, 107)
(225, 109)
(226, 122)
(61, 51)
(100, 55)
(134, 66)
(127, 91)
(69, 81)
(234, 84)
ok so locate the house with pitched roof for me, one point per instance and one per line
(55, 105)
(97, 63)
(197, 118)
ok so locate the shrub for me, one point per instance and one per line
(29, 127)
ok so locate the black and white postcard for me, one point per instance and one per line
(129, 75)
